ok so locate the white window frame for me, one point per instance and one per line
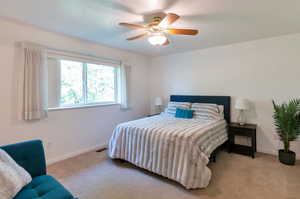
(84, 87)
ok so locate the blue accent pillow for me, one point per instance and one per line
(184, 113)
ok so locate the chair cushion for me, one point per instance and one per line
(12, 177)
(44, 187)
(29, 155)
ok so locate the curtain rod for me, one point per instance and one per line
(24, 44)
(82, 54)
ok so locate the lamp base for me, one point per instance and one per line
(241, 118)
(159, 109)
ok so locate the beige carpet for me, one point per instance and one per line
(94, 176)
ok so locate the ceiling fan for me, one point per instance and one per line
(157, 30)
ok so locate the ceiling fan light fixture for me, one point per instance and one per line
(157, 39)
(157, 30)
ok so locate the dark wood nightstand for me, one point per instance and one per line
(247, 130)
(150, 115)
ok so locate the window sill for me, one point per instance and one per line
(82, 106)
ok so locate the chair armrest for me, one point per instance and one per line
(30, 155)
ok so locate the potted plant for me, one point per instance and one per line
(287, 121)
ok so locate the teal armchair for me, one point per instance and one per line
(30, 155)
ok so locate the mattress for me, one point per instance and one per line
(176, 148)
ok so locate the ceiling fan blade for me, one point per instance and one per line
(166, 43)
(138, 36)
(182, 31)
(132, 25)
(169, 19)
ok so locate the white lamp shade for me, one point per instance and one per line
(157, 39)
(157, 101)
(242, 104)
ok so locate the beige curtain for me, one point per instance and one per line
(34, 82)
(124, 85)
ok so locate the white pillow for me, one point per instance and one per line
(172, 106)
(206, 111)
(12, 177)
(221, 111)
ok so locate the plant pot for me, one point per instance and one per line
(287, 158)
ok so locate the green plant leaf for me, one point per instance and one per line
(287, 121)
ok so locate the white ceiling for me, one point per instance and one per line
(220, 21)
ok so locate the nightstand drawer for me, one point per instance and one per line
(153, 114)
(241, 132)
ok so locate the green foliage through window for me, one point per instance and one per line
(85, 83)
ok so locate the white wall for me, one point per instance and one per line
(68, 131)
(259, 70)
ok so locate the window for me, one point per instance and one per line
(71, 83)
(81, 83)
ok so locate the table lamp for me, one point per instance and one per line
(242, 105)
(158, 103)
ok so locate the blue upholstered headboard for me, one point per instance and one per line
(220, 100)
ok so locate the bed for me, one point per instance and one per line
(176, 148)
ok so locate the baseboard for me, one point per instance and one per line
(275, 153)
(267, 151)
(73, 154)
(104, 146)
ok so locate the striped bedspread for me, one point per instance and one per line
(175, 148)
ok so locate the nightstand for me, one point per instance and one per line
(246, 130)
(150, 115)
